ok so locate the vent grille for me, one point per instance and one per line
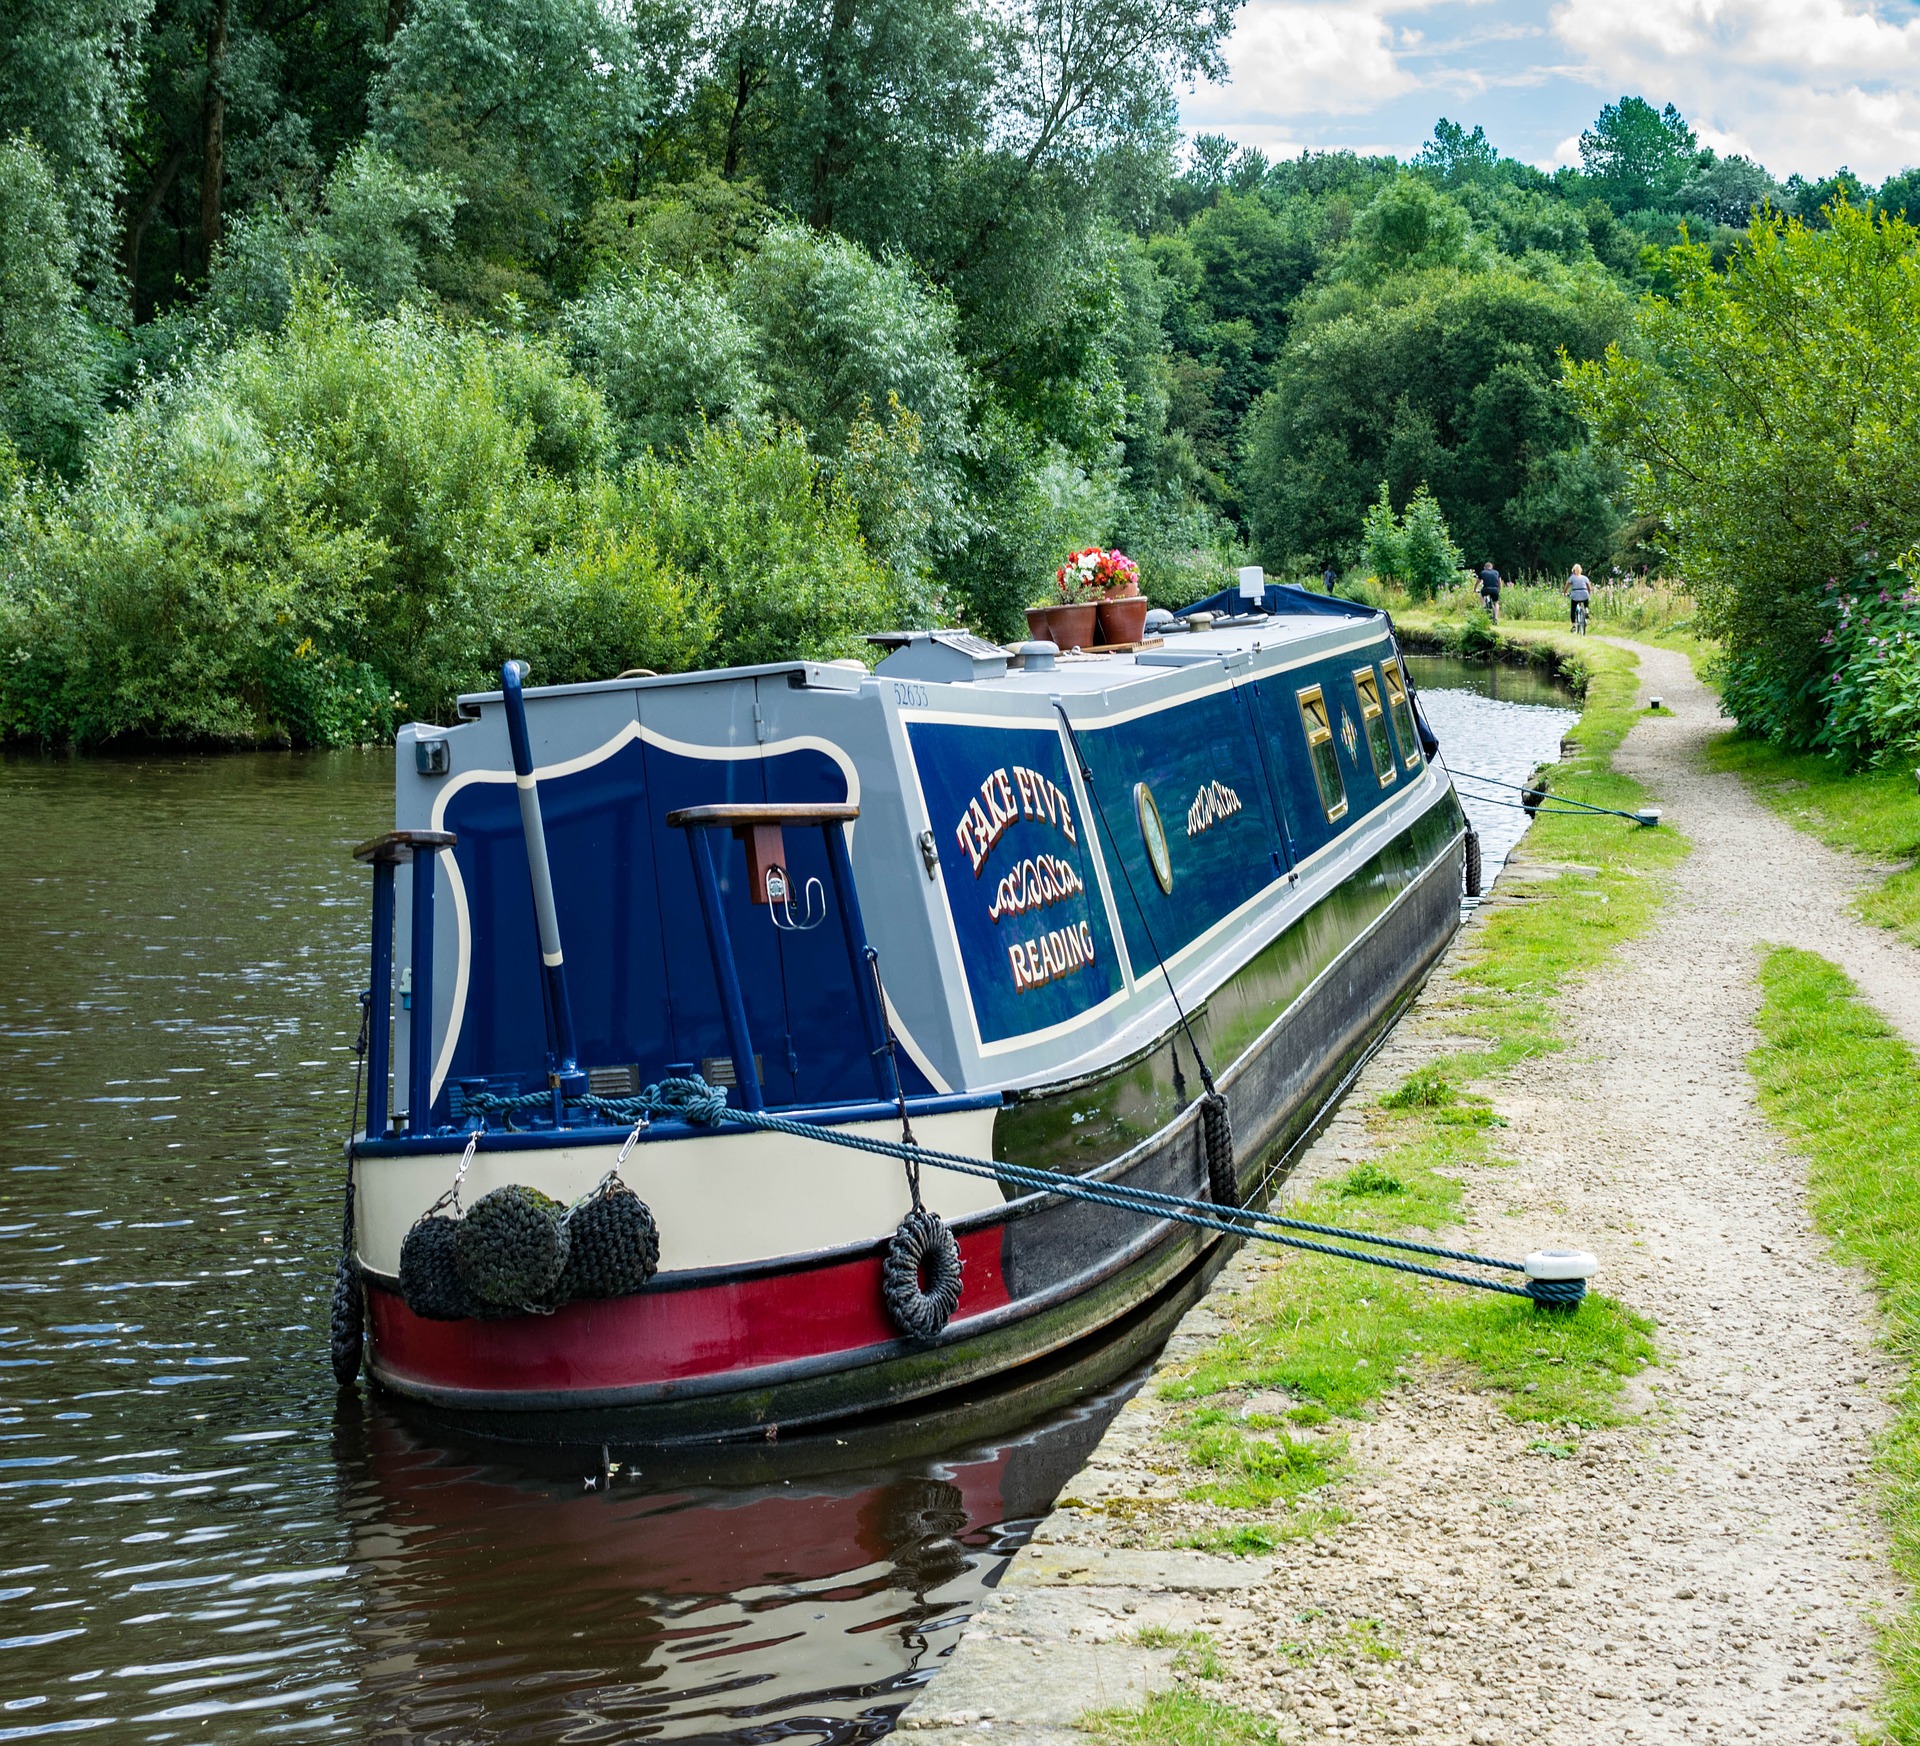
(718, 1069)
(613, 1081)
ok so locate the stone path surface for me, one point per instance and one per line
(1711, 1570)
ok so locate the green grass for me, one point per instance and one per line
(1182, 1718)
(1329, 1337)
(1846, 1088)
(1873, 812)
(1529, 953)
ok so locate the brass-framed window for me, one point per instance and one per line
(1373, 721)
(1320, 751)
(1402, 712)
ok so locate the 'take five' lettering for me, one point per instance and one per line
(1005, 796)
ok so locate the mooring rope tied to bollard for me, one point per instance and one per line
(1556, 1278)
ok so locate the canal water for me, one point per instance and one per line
(200, 1538)
(1496, 726)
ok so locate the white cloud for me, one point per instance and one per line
(1289, 59)
(1799, 84)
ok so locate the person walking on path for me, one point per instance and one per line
(1490, 580)
(1579, 594)
(1329, 576)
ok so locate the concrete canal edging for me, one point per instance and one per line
(1710, 1568)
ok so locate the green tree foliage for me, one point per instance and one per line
(1637, 156)
(375, 229)
(348, 522)
(68, 75)
(1764, 415)
(518, 105)
(49, 363)
(455, 322)
(1414, 549)
(666, 353)
(1449, 379)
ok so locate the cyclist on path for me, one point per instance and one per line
(1490, 589)
(1579, 594)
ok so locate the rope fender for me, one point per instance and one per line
(1216, 1138)
(920, 1281)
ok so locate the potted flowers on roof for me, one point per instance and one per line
(1121, 611)
(1069, 611)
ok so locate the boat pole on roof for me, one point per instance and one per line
(563, 1065)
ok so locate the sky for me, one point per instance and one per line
(1804, 85)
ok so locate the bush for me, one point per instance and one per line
(772, 542)
(1870, 701)
(664, 353)
(1414, 550)
(324, 531)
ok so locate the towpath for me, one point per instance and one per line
(1710, 1571)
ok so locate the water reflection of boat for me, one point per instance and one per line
(803, 1604)
(1037, 855)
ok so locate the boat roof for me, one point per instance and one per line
(1290, 616)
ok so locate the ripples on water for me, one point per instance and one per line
(198, 1539)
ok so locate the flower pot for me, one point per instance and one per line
(1070, 626)
(1123, 621)
(1122, 590)
(1037, 622)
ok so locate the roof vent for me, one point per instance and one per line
(945, 657)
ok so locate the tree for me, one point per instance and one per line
(1765, 416)
(1636, 155)
(518, 106)
(1445, 378)
(1454, 157)
(49, 368)
(375, 230)
(69, 70)
(1407, 226)
(1725, 190)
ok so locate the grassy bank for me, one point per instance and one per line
(1262, 1443)
(1258, 1423)
(1846, 1088)
(1873, 812)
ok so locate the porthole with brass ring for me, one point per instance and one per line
(1154, 835)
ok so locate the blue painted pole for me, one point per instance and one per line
(380, 1020)
(726, 973)
(563, 1066)
(865, 985)
(420, 1029)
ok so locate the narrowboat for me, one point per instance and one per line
(1021, 906)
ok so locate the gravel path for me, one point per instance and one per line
(1709, 1572)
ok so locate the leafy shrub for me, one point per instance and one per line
(325, 530)
(771, 541)
(1415, 549)
(1870, 702)
(664, 353)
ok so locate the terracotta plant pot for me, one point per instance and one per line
(1037, 622)
(1124, 620)
(1123, 590)
(1070, 626)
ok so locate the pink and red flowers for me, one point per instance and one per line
(1096, 571)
